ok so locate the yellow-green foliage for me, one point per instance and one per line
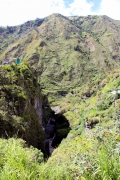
(92, 156)
(17, 161)
(97, 107)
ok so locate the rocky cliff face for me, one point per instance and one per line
(39, 110)
(22, 105)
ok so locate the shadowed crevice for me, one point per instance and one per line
(56, 129)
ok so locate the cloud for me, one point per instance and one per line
(14, 12)
(80, 7)
(110, 8)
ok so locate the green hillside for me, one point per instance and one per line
(70, 65)
(67, 51)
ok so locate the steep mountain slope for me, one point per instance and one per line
(67, 52)
(105, 31)
(71, 54)
(10, 34)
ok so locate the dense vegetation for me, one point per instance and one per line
(74, 61)
(20, 100)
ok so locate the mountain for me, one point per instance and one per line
(68, 52)
(74, 61)
(64, 49)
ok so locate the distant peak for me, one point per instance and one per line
(57, 15)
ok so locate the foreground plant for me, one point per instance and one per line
(17, 161)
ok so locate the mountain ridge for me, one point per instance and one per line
(66, 49)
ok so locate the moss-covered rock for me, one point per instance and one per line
(20, 115)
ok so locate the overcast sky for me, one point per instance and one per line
(14, 12)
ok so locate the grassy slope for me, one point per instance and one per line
(90, 154)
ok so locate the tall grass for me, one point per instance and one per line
(85, 158)
(82, 158)
(17, 161)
